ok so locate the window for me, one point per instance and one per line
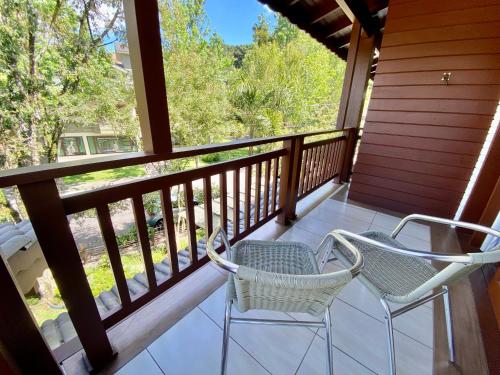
(72, 146)
(110, 144)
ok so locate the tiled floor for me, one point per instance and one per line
(193, 345)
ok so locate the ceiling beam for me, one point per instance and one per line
(357, 9)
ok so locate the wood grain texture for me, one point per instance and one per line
(423, 136)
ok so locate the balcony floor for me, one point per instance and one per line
(193, 344)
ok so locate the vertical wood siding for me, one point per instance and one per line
(422, 137)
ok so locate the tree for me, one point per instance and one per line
(55, 72)
(196, 69)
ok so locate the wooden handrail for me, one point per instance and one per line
(45, 172)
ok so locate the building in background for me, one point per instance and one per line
(98, 140)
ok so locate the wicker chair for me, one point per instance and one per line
(397, 274)
(280, 276)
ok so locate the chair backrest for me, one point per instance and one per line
(301, 290)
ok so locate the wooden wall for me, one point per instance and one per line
(422, 137)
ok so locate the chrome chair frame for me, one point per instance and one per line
(434, 256)
(228, 319)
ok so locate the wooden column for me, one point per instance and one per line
(289, 179)
(51, 227)
(23, 349)
(347, 157)
(359, 62)
(144, 42)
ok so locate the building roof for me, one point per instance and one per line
(330, 22)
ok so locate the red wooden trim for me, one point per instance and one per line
(266, 188)
(142, 231)
(109, 237)
(236, 201)
(248, 189)
(143, 31)
(223, 200)
(207, 188)
(48, 217)
(169, 227)
(258, 176)
(193, 244)
(44, 172)
(90, 199)
(23, 348)
(275, 183)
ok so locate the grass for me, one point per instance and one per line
(108, 174)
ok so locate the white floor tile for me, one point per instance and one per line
(142, 364)
(315, 361)
(345, 209)
(193, 347)
(364, 338)
(279, 349)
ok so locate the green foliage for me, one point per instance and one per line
(55, 73)
(106, 175)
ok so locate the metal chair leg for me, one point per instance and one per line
(329, 349)
(225, 338)
(390, 338)
(449, 325)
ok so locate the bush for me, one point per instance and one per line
(212, 158)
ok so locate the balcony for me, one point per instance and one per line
(424, 136)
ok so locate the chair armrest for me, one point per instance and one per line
(338, 235)
(442, 257)
(215, 257)
(439, 220)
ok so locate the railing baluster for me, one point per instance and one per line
(266, 187)
(275, 183)
(236, 202)
(334, 158)
(248, 191)
(307, 168)
(207, 188)
(108, 234)
(188, 195)
(303, 168)
(223, 200)
(169, 227)
(142, 231)
(328, 162)
(258, 175)
(321, 164)
(311, 168)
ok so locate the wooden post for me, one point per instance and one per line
(51, 226)
(146, 56)
(289, 179)
(23, 349)
(359, 62)
(347, 157)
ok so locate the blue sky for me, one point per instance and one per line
(233, 19)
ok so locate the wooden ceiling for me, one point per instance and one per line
(330, 21)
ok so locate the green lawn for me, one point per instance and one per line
(108, 174)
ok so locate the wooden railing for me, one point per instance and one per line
(276, 178)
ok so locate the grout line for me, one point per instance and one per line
(380, 321)
(154, 359)
(234, 340)
(305, 354)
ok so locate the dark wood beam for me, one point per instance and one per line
(360, 10)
